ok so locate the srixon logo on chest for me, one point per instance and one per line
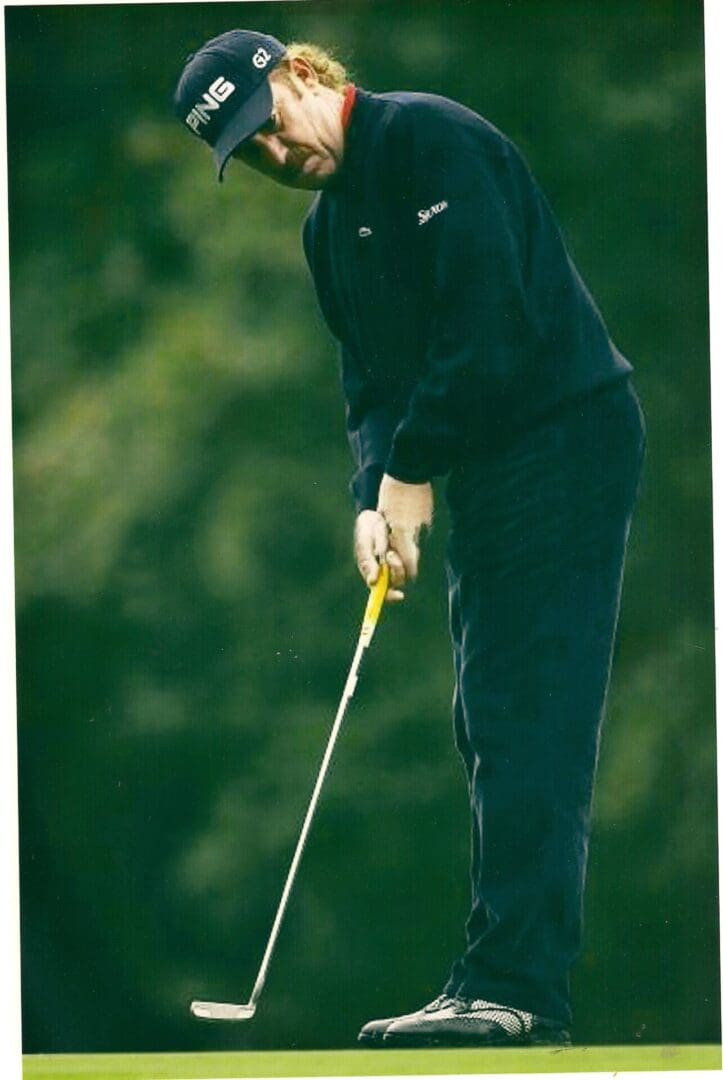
(426, 215)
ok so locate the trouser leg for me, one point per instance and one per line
(535, 564)
(467, 754)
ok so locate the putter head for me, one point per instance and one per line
(219, 1010)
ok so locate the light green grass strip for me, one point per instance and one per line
(367, 1062)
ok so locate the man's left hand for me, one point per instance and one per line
(406, 509)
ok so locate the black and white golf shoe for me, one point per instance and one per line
(464, 1022)
(372, 1034)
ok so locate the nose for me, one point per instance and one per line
(271, 148)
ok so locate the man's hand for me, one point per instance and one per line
(406, 508)
(371, 548)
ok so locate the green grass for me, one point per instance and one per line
(367, 1062)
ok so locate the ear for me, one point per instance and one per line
(304, 71)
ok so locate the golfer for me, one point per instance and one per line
(470, 349)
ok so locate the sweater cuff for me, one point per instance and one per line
(415, 461)
(364, 487)
(407, 472)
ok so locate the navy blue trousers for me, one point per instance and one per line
(534, 564)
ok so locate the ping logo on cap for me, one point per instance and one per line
(219, 90)
(261, 58)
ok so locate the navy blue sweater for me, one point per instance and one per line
(440, 269)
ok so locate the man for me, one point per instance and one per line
(470, 349)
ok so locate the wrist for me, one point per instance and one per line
(405, 505)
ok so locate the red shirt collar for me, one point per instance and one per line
(348, 105)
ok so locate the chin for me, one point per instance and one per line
(314, 180)
(311, 182)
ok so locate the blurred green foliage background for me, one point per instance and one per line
(186, 599)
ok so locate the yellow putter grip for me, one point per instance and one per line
(375, 604)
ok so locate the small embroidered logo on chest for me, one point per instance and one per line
(426, 215)
(365, 231)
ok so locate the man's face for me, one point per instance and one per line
(302, 143)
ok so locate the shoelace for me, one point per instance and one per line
(441, 1002)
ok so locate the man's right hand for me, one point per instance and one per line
(371, 548)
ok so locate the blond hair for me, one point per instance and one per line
(331, 72)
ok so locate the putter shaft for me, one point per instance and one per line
(216, 1010)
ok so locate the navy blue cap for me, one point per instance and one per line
(223, 94)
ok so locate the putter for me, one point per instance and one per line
(219, 1010)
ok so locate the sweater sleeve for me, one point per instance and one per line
(370, 424)
(370, 420)
(467, 239)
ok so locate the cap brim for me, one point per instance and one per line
(254, 112)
